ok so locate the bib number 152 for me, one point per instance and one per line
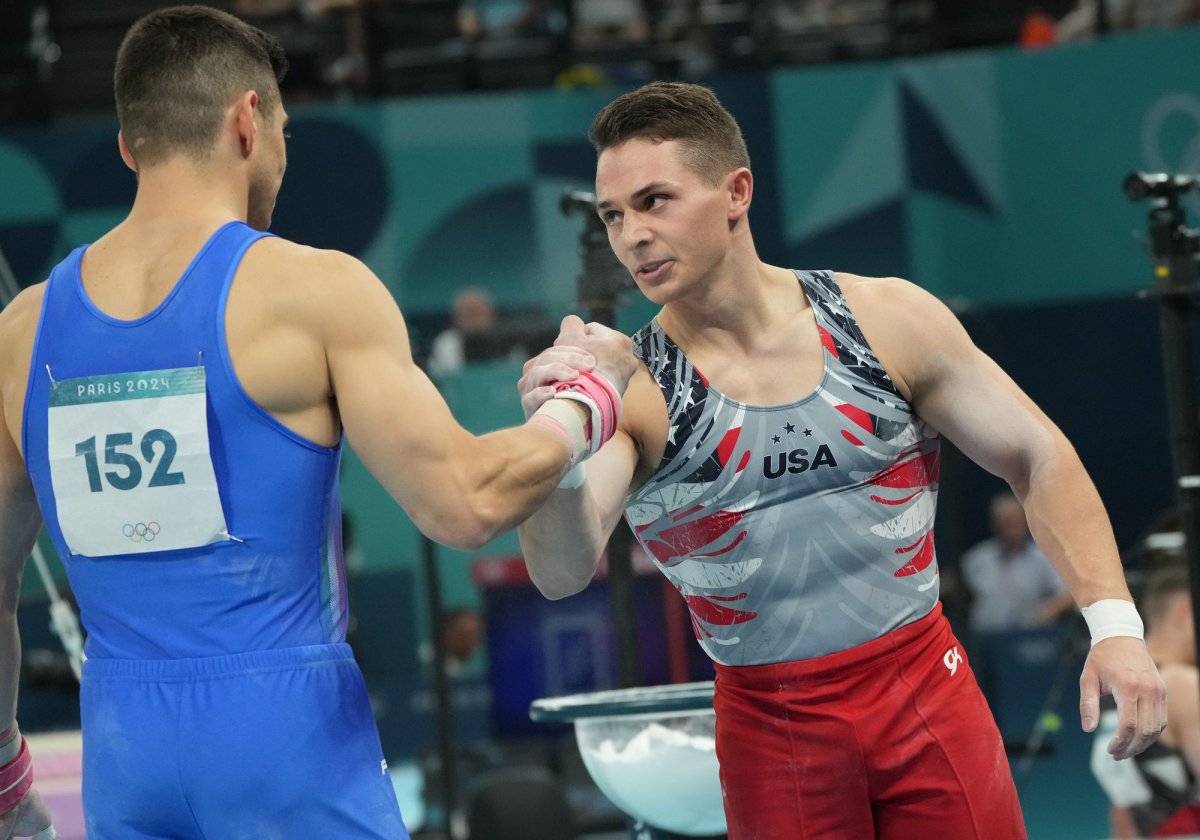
(158, 449)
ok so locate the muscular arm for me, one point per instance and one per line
(459, 489)
(19, 523)
(962, 393)
(19, 517)
(965, 395)
(564, 540)
(319, 342)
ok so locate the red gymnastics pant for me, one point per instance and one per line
(891, 739)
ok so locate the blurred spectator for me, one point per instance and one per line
(1013, 585)
(1155, 794)
(685, 26)
(325, 42)
(1162, 546)
(480, 20)
(473, 313)
(462, 641)
(608, 23)
(1038, 29)
(1090, 17)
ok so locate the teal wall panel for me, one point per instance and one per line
(990, 177)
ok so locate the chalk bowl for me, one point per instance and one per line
(652, 751)
(659, 769)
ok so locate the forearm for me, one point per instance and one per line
(1070, 525)
(562, 543)
(505, 476)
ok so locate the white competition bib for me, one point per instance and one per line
(130, 463)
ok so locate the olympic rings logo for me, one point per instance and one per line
(142, 531)
(1171, 136)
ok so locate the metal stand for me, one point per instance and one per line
(638, 830)
(1175, 249)
(601, 284)
(443, 701)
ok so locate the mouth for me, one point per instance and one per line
(649, 272)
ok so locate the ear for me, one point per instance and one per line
(242, 114)
(741, 190)
(126, 155)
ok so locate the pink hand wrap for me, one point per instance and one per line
(16, 777)
(602, 401)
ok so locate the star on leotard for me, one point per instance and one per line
(775, 439)
(789, 427)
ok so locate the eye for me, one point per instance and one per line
(610, 217)
(655, 200)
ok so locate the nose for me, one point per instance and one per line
(634, 231)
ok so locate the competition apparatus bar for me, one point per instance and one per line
(1175, 251)
(652, 752)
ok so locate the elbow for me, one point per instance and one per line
(556, 590)
(554, 579)
(466, 535)
(470, 529)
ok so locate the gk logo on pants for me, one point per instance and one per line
(951, 660)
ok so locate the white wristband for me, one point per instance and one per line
(1110, 617)
(574, 477)
(566, 418)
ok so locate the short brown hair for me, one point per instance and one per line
(177, 71)
(710, 136)
(1161, 588)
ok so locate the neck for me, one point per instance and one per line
(179, 193)
(738, 301)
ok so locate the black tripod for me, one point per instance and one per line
(1175, 250)
(601, 285)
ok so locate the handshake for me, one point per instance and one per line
(589, 365)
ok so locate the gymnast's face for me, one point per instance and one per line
(267, 167)
(666, 223)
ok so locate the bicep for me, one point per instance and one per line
(953, 385)
(394, 418)
(979, 409)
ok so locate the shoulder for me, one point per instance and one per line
(310, 283)
(915, 336)
(895, 297)
(274, 259)
(18, 326)
(25, 307)
(18, 320)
